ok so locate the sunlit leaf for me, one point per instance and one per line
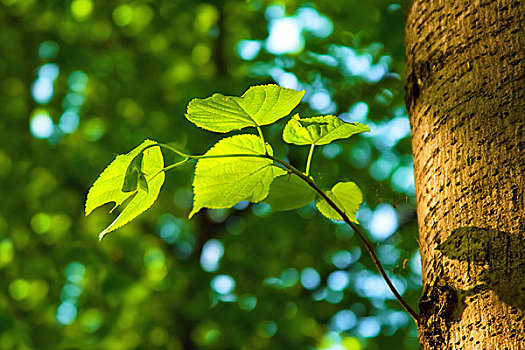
(224, 182)
(259, 105)
(319, 130)
(108, 187)
(347, 196)
(289, 192)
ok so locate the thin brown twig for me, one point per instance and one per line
(313, 185)
(367, 244)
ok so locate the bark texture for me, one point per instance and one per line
(466, 101)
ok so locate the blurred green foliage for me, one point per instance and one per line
(83, 80)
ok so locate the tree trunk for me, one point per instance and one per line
(466, 101)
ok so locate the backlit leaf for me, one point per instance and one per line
(224, 182)
(289, 192)
(108, 187)
(319, 130)
(259, 105)
(347, 196)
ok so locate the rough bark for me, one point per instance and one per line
(466, 101)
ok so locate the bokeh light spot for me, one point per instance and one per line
(403, 180)
(337, 280)
(212, 252)
(384, 222)
(342, 259)
(344, 320)
(91, 320)
(123, 15)
(42, 90)
(247, 302)
(351, 343)
(77, 81)
(248, 49)
(66, 313)
(169, 228)
(68, 122)
(75, 272)
(223, 284)
(274, 11)
(154, 259)
(70, 291)
(285, 36)
(19, 289)
(314, 23)
(41, 223)
(320, 100)
(360, 155)
(332, 150)
(48, 49)
(49, 71)
(285, 79)
(368, 327)
(217, 215)
(261, 209)
(415, 263)
(310, 278)
(267, 329)
(357, 113)
(381, 168)
(94, 129)
(81, 9)
(6, 252)
(201, 54)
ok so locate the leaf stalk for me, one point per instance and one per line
(309, 160)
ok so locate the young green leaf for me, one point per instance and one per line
(347, 196)
(223, 182)
(319, 130)
(289, 192)
(108, 187)
(259, 105)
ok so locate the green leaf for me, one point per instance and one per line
(319, 130)
(131, 180)
(289, 192)
(108, 187)
(259, 105)
(223, 182)
(347, 196)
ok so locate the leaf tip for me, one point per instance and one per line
(86, 209)
(194, 211)
(104, 233)
(88, 206)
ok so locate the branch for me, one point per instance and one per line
(367, 244)
(313, 185)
